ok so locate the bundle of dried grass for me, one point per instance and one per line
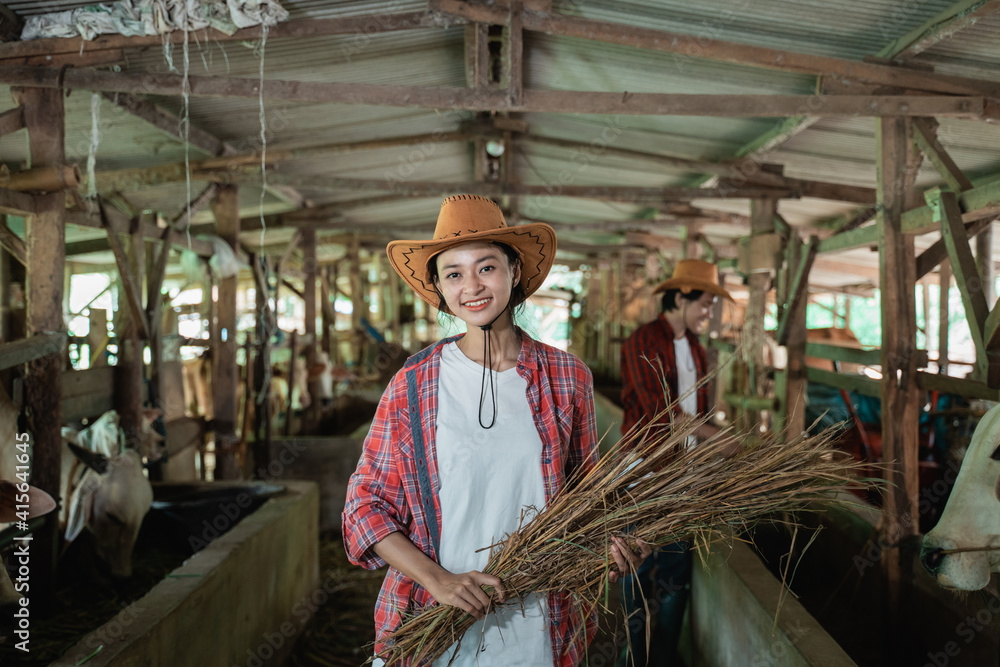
(652, 486)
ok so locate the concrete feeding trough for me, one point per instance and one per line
(734, 604)
(242, 599)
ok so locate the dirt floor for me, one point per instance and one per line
(342, 629)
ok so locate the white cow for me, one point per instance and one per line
(964, 548)
(111, 495)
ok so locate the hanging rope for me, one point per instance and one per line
(186, 125)
(95, 138)
(263, 134)
(269, 323)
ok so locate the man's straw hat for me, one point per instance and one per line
(466, 219)
(694, 274)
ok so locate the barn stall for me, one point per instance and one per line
(195, 220)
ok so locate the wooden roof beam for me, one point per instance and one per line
(627, 194)
(925, 134)
(150, 231)
(366, 24)
(200, 139)
(546, 101)
(125, 179)
(977, 203)
(11, 121)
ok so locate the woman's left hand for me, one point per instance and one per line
(625, 558)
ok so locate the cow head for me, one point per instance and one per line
(111, 501)
(964, 547)
(105, 436)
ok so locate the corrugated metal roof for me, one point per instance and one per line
(836, 150)
(841, 28)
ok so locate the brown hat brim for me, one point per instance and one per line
(535, 243)
(687, 285)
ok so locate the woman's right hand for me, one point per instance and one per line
(465, 591)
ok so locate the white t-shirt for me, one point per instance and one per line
(488, 478)
(687, 376)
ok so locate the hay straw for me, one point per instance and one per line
(652, 486)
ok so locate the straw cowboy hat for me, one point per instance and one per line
(466, 219)
(694, 274)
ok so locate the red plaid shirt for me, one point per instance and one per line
(396, 489)
(647, 362)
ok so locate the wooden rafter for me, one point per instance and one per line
(963, 105)
(28, 349)
(798, 286)
(131, 289)
(121, 179)
(790, 127)
(976, 203)
(925, 134)
(167, 122)
(206, 141)
(11, 121)
(182, 220)
(938, 251)
(366, 24)
(963, 264)
(493, 189)
(940, 27)
(13, 244)
(149, 231)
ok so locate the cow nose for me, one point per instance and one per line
(932, 559)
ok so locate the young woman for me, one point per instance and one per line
(474, 432)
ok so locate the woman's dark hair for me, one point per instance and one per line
(517, 295)
(669, 301)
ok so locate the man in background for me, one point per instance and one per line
(662, 363)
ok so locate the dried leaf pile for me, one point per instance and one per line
(652, 486)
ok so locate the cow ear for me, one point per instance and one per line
(80, 508)
(93, 460)
(996, 454)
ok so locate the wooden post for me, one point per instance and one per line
(128, 372)
(796, 382)
(44, 119)
(944, 314)
(290, 406)
(360, 303)
(5, 289)
(308, 243)
(762, 212)
(335, 357)
(325, 312)
(225, 373)
(392, 306)
(984, 262)
(711, 352)
(897, 276)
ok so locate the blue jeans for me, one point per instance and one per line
(661, 585)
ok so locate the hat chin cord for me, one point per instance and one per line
(488, 370)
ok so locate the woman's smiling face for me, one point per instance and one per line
(475, 280)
